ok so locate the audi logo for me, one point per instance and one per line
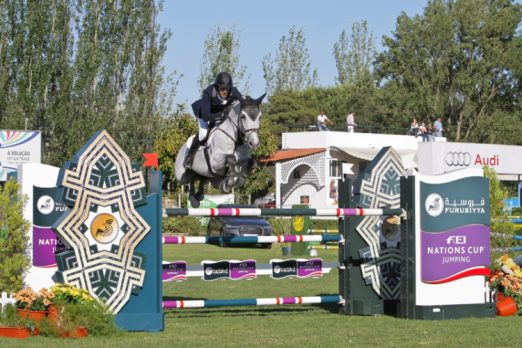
(458, 159)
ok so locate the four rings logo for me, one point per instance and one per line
(458, 159)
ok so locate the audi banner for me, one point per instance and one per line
(436, 158)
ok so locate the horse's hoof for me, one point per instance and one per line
(223, 187)
(200, 196)
(193, 201)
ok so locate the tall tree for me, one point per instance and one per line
(354, 54)
(290, 69)
(222, 54)
(457, 61)
(69, 68)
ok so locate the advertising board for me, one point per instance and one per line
(17, 148)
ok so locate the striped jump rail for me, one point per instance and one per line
(171, 212)
(322, 231)
(253, 302)
(323, 247)
(252, 239)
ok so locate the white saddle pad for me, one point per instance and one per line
(191, 139)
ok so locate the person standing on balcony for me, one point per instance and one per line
(351, 122)
(320, 122)
(438, 128)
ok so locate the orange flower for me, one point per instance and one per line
(51, 295)
(46, 302)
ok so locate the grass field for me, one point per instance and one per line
(285, 326)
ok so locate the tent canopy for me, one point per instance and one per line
(409, 157)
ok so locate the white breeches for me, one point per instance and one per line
(350, 129)
(203, 129)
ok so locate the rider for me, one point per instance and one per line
(214, 106)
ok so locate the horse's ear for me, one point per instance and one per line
(260, 99)
(241, 100)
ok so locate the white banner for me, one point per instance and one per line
(438, 158)
(18, 147)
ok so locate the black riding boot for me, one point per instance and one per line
(187, 163)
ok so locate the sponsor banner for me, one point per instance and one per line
(300, 268)
(243, 269)
(174, 271)
(454, 204)
(446, 256)
(216, 270)
(211, 201)
(45, 213)
(18, 147)
(45, 245)
(310, 269)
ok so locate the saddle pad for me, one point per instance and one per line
(191, 139)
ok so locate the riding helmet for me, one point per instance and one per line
(224, 80)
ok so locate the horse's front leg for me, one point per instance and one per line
(246, 167)
(200, 195)
(192, 195)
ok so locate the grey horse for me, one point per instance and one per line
(229, 152)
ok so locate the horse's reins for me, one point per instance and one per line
(244, 132)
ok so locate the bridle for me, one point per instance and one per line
(241, 132)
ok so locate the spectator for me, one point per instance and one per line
(424, 133)
(320, 122)
(431, 133)
(438, 128)
(414, 128)
(333, 191)
(350, 121)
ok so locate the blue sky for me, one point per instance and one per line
(262, 24)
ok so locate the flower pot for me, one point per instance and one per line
(80, 332)
(36, 315)
(53, 313)
(287, 251)
(14, 332)
(499, 296)
(507, 307)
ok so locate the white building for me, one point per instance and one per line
(309, 161)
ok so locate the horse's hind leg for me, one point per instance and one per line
(192, 195)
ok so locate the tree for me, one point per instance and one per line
(14, 238)
(69, 68)
(290, 69)
(176, 129)
(457, 62)
(354, 55)
(222, 54)
(500, 219)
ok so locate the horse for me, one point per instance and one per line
(228, 162)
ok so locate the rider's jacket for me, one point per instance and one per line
(209, 107)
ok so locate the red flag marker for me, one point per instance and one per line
(152, 160)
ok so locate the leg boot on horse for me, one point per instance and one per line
(187, 163)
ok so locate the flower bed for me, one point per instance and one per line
(506, 278)
(63, 311)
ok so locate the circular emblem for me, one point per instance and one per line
(45, 205)
(391, 228)
(434, 204)
(208, 270)
(298, 223)
(104, 228)
(458, 159)
(277, 269)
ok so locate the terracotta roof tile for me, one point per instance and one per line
(281, 155)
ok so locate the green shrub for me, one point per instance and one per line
(94, 316)
(324, 224)
(14, 237)
(188, 225)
